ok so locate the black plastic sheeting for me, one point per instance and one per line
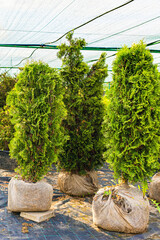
(62, 227)
(6, 162)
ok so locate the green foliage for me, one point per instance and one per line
(156, 204)
(37, 110)
(107, 193)
(105, 98)
(83, 100)
(143, 187)
(132, 122)
(6, 128)
(7, 82)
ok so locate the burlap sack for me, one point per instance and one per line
(121, 209)
(29, 197)
(154, 187)
(78, 185)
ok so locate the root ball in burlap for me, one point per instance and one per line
(78, 185)
(29, 197)
(121, 209)
(154, 187)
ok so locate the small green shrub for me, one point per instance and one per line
(37, 110)
(6, 128)
(7, 82)
(83, 100)
(133, 116)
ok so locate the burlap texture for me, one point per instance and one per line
(121, 209)
(78, 185)
(154, 187)
(29, 197)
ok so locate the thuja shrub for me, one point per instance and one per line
(105, 98)
(7, 82)
(133, 115)
(6, 128)
(37, 109)
(83, 100)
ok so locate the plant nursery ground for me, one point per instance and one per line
(73, 216)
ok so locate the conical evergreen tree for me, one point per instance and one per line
(37, 110)
(83, 100)
(133, 116)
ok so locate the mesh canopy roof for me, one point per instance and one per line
(31, 28)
